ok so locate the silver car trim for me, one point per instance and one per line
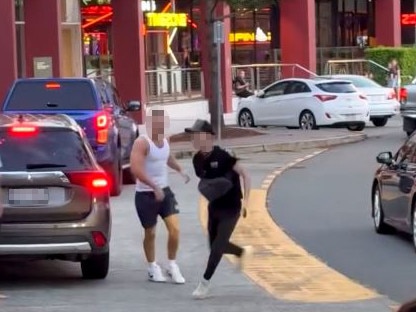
(39, 249)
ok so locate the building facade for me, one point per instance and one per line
(64, 38)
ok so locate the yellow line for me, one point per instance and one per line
(284, 268)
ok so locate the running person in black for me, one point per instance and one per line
(224, 212)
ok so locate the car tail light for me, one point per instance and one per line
(392, 95)
(93, 181)
(99, 239)
(22, 130)
(402, 94)
(362, 97)
(52, 85)
(102, 123)
(324, 97)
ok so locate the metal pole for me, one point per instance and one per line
(219, 97)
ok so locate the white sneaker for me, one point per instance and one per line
(175, 274)
(155, 274)
(202, 290)
(246, 256)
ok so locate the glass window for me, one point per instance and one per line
(41, 95)
(277, 89)
(298, 87)
(337, 87)
(361, 82)
(70, 11)
(45, 147)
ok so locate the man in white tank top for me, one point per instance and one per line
(149, 161)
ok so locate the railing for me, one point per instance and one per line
(261, 75)
(166, 85)
(179, 84)
(362, 67)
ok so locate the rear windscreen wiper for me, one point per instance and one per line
(44, 165)
(52, 105)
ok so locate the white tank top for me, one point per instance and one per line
(155, 165)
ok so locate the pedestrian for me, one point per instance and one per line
(219, 174)
(394, 75)
(241, 85)
(149, 161)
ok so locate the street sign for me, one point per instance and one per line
(218, 32)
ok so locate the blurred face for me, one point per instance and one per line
(394, 62)
(202, 141)
(242, 73)
(156, 124)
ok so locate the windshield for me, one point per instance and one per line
(337, 87)
(361, 82)
(42, 95)
(45, 150)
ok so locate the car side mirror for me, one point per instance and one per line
(133, 106)
(260, 94)
(385, 158)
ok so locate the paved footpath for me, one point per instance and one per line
(56, 286)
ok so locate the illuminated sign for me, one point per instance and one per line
(409, 19)
(147, 5)
(249, 37)
(168, 20)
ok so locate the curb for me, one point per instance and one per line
(283, 146)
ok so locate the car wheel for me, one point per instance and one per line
(96, 266)
(380, 122)
(356, 127)
(116, 179)
(378, 215)
(245, 119)
(307, 121)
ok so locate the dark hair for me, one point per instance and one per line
(409, 306)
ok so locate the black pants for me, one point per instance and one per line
(220, 229)
(244, 93)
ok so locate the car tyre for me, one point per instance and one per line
(96, 266)
(356, 127)
(379, 122)
(116, 179)
(378, 215)
(245, 119)
(307, 121)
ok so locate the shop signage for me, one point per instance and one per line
(147, 5)
(168, 20)
(409, 19)
(248, 37)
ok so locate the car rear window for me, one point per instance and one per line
(362, 82)
(337, 87)
(62, 95)
(49, 149)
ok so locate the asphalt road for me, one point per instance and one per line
(324, 204)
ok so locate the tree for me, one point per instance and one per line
(239, 7)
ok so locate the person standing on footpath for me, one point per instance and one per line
(219, 173)
(149, 161)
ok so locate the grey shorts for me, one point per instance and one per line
(148, 209)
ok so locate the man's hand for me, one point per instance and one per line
(185, 177)
(159, 194)
(245, 207)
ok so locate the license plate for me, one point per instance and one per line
(352, 117)
(39, 196)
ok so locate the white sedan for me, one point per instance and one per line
(306, 104)
(383, 101)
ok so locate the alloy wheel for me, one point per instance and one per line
(377, 209)
(307, 121)
(246, 120)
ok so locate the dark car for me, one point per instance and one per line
(97, 108)
(55, 196)
(394, 191)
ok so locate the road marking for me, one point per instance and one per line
(281, 266)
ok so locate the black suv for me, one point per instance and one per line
(55, 196)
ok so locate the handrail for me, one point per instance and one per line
(357, 61)
(275, 65)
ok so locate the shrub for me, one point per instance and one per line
(383, 55)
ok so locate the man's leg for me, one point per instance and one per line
(147, 211)
(169, 213)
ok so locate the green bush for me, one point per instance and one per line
(383, 55)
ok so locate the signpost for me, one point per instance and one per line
(218, 40)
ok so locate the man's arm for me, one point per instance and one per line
(137, 159)
(173, 164)
(242, 172)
